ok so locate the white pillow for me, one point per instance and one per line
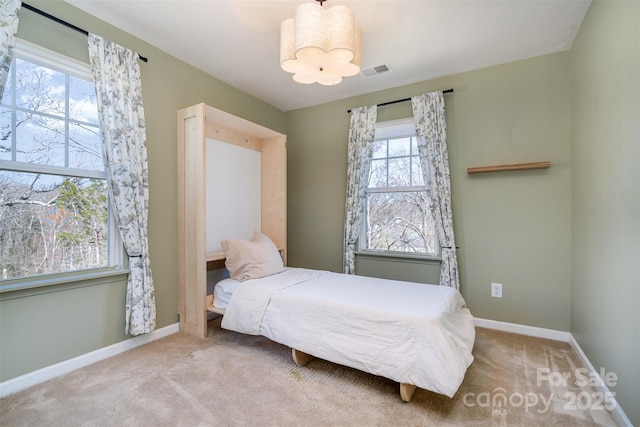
(252, 259)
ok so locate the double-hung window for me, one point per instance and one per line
(397, 218)
(54, 215)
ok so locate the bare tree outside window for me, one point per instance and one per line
(398, 217)
(53, 198)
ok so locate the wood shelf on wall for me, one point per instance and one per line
(510, 167)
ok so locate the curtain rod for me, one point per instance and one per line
(65, 23)
(403, 100)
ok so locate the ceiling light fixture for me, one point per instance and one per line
(320, 45)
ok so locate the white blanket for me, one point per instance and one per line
(409, 332)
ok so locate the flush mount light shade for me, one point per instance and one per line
(320, 45)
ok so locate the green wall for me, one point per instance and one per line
(38, 330)
(605, 155)
(512, 227)
(563, 241)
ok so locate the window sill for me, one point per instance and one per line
(399, 256)
(23, 287)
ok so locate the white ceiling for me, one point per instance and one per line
(237, 41)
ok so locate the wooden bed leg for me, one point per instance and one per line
(406, 391)
(301, 358)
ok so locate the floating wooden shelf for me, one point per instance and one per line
(512, 167)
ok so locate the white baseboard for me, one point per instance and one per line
(617, 412)
(552, 334)
(531, 331)
(41, 375)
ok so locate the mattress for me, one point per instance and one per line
(408, 332)
(222, 292)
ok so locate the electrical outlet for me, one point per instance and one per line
(496, 290)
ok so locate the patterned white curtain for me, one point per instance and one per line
(360, 150)
(9, 17)
(431, 129)
(116, 73)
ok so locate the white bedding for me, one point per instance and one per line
(408, 332)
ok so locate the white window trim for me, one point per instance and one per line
(116, 253)
(394, 129)
(48, 280)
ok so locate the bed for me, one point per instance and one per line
(418, 335)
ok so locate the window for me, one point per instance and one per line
(54, 215)
(397, 218)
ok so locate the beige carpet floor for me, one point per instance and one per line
(231, 379)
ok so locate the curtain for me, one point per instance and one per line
(359, 152)
(116, 73)
(431, 129)
(9, 12)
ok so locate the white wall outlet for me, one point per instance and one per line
(496, 290)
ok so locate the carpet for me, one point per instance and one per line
(230, 379)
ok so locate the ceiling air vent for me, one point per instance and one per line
(376, 70)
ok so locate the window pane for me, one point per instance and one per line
(6, 95)
(85, 147)
(414, 146)
(39, 88)
(51, 224)
(82, 101)
(399, 147)
(416, 172)
(399, 172)
(380, 149)
(378, 174)
(5, 134)
(400, 222)
(39, 139)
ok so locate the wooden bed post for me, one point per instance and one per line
(301, 358)
(192, 266)
(406, 391)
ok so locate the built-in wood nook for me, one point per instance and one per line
(223, 195)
